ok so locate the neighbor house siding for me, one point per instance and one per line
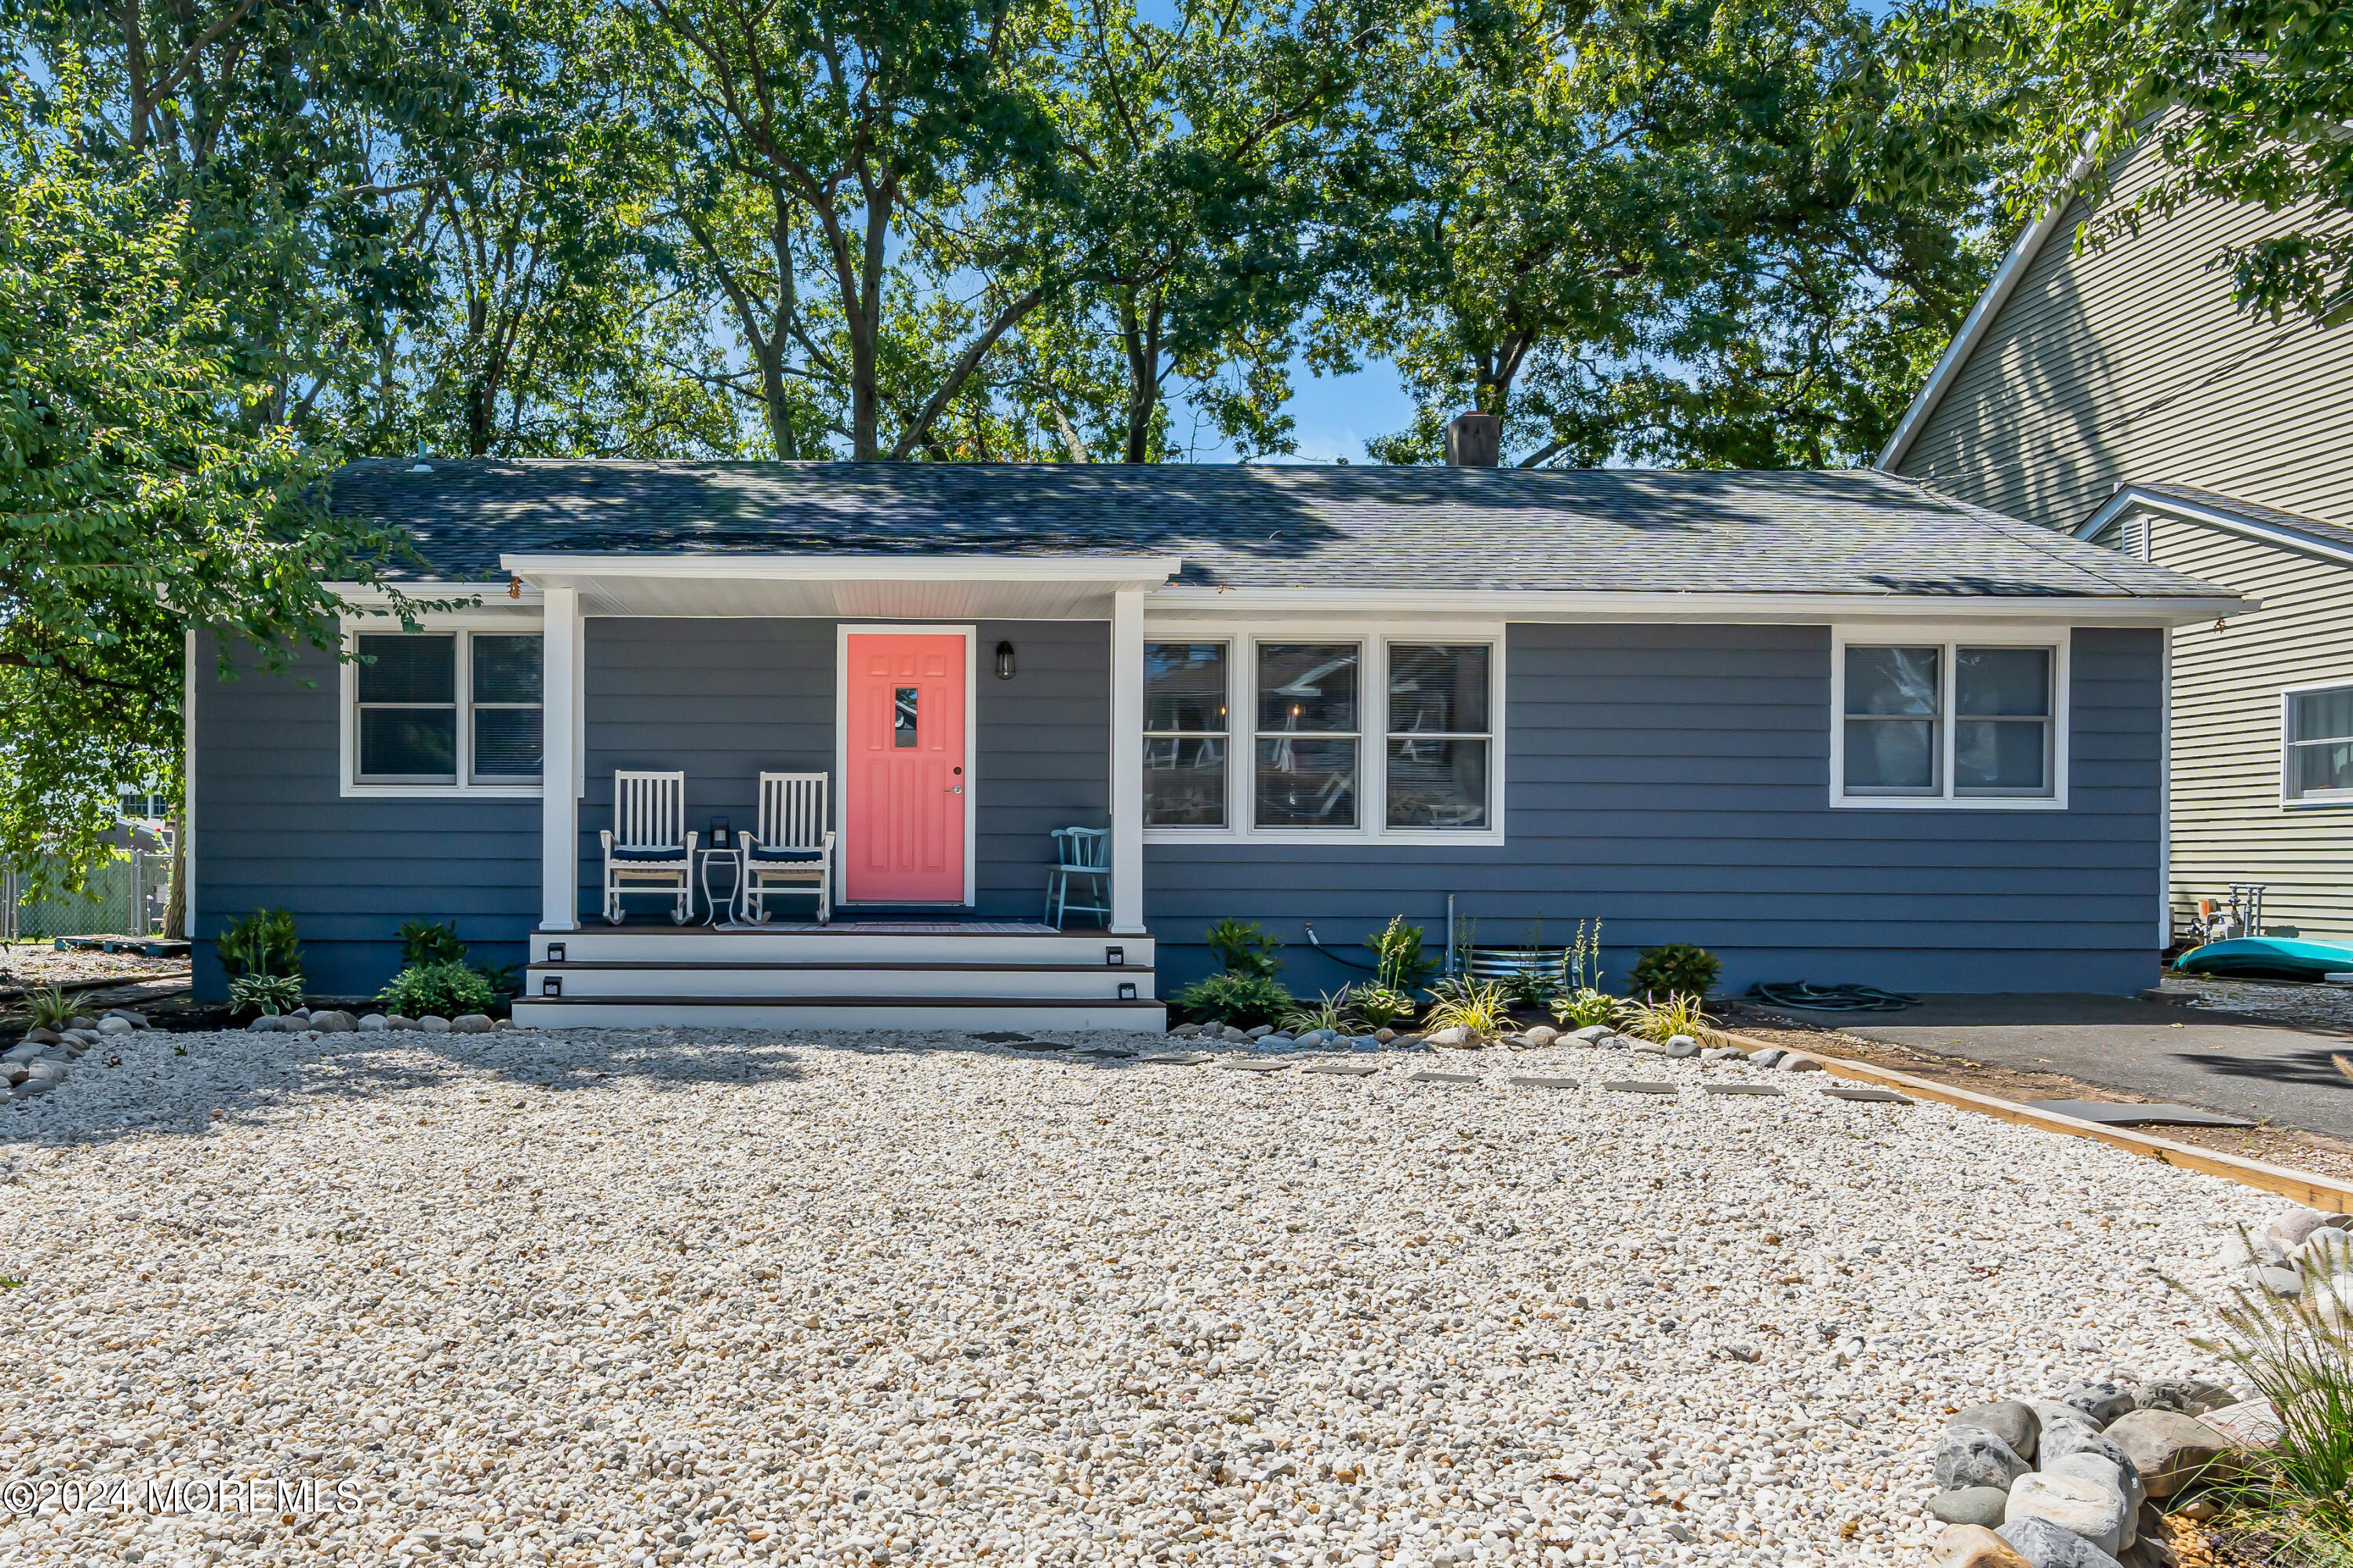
(274, 831)
(2230, 823)
(727, 700)
(2131, 363)
(1674, 783)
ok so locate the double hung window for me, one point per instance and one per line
(2320, 761)
(1349, 738)
(1949, 722)
(448, 709)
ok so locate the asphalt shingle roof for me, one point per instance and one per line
(1852, 531)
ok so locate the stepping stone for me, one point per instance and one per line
(1869, 1096)
(1537, 1081)
(2108, 1112)
(1113, 1052)
(1443, 1078)
(999, 1037)
(1743, 1088)
(1037, 1044)
(1252, 1065)
(1632, 1087)
(1195, 1060)
(1345, 1069)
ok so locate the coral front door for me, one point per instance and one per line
(904, 766)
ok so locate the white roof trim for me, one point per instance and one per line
(1974, 326)
(2132, 497)
(1125, 571)
(1812, 608)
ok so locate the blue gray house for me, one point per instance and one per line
(1831, 725)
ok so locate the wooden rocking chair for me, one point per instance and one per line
(648, 848)
(793, 852)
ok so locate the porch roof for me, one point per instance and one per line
(1435, 531)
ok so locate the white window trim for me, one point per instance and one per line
(506, 622)
(2321, 801)
(1375, 636)
(1951, 635)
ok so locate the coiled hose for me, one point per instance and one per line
(1830, 998)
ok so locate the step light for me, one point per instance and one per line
(554, 953)
(1127, 990)
(551, 985)
(1115, 955)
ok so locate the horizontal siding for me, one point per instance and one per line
(2228, 824)
(1674, 782)
(2130, 362)
(274, 831)
(727, 700)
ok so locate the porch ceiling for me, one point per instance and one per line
(913, 587)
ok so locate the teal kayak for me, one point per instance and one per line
(2266, 958)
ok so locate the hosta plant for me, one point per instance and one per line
(1584, 1007)
(1382, 1007)
(271, 994)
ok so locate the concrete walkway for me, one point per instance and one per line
(2226, 1062)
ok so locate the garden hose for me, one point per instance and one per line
(1830, 998)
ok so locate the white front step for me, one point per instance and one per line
(960, 1014)
(891, 981)
(842, 945)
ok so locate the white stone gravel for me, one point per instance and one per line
(660, 1297)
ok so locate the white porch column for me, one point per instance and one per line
(559, 768)
(1127, 762)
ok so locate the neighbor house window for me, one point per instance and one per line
(1948, 721)
(1306, 756)
(2320, 745)
(1439, 734)
(1185, 731)
(446, 709)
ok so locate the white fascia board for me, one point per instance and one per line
(1196, 603)
(2132, 498)
(1130, 571)
(381, 593)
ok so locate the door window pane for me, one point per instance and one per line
(1438, 690)
(416, 744)
(2009, 682)
(405, 668)
(1891, 681)
(1306, 783)
(506, 669)
(1438, 783)
(1891, 756)
(902, 717)
(1307, 688)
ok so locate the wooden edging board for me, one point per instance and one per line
(2304, 1186)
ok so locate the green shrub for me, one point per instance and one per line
(443, 990)
(1241, 948)
(1241, 1001)
(1679, 968)
(272, 994)
(262, 943)
(430, 942)
(1584, 1007)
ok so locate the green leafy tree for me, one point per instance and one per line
(135, 499)
(2244, 101)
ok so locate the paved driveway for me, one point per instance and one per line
(2226, 1062)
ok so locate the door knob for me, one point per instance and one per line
(958, 790)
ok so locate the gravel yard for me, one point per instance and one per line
(655, 1297)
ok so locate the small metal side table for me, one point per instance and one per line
(734, 861)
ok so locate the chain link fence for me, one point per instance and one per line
(124, 897)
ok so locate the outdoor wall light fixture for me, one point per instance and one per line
(1005, 660)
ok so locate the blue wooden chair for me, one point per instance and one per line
(1082, 852)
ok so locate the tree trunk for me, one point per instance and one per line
(175, 905)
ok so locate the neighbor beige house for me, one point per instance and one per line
(2118, 394)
